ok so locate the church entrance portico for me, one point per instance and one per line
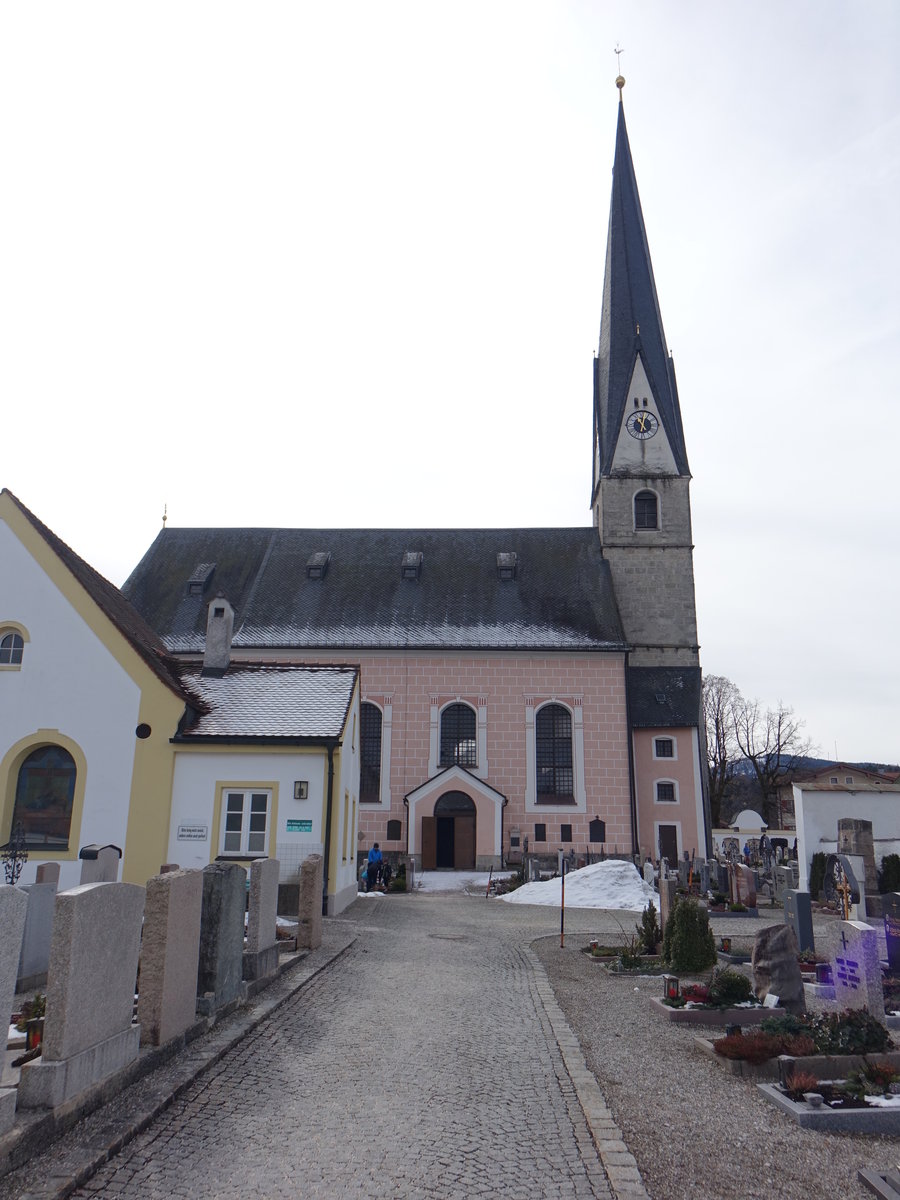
(456, 822)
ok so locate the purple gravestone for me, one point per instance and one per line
(891, 906)
(857, 971)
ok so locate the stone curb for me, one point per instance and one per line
(618, 1162)
(199, 1056)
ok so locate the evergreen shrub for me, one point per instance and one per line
(691, 946)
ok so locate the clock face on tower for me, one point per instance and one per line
(643, 425)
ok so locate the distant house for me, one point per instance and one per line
(834, 776)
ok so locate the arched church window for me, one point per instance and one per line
(646, 511)
(553, 750)
(458, 741)
(11, 647)
(45, 794)
(370, 753)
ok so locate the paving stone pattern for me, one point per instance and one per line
(424, 1063)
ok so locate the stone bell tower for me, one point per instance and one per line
(641, 479)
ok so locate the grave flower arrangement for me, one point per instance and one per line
(727, 988)
(853, 1031)
(873, 1085)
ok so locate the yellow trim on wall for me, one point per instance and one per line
(244, 786)
(9, 777)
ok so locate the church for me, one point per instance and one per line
(535, 687)
(488, 692)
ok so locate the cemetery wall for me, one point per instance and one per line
(818, 813)
(686, 813)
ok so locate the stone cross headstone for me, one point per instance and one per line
(891, 910)
(261, 953)
(88, 1030)
(170, 947)
(13, 906)
(775, 967)
(220, 965)
(857, 971)
(309, 914)
(99, 864)
(798, 914)
(35, 956)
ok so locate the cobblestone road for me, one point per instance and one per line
(422, 1064)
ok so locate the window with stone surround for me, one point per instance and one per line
(553, 755)
(565, 833)
(646, 510)
(459, 746)
(664, 747)
(370, 753)
(666, 792)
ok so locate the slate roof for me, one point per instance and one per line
(630, 303)
(271, 701)
(663, 697)
(560, 599)
(110, 601)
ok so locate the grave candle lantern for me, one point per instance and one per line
(670, 987)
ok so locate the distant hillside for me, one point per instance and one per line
(744, 767)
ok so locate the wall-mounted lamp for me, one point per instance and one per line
(301, 789)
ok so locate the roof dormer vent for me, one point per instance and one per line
(411, 567)
(199, 578)
(317, 564)
(507, 564)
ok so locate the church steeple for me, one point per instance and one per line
(631, 328)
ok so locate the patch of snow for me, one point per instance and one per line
(14, 1034)
(457, 881)
(610, 884)
(370, 895)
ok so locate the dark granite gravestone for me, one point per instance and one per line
(891, 906)
(798, 914)
(221, 936)
(775, 967)
(704, 878)
(724, 879)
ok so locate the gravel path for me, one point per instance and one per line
(696, 1131)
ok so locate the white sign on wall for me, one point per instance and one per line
(193, 833)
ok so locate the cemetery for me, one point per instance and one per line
(103, 981)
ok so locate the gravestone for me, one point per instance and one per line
(13, 906)
(704, 878)
(854, 837)
(167, 997)
(47, 873)
(743, 886)
(782, 882)
(857, 971)
(798, 914)
(794, 869)
(723, 879)
(891, 906)
(775, 967)
(99, 864)
(167, 867)
(261, 952)
(648, 872)
(221, 937)
(88, 1030)
(309, 912)
(666, 900)
(35, 956)
(684, 871)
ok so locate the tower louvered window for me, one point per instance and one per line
(646, 511)
(553, 746)
(458, 744)
(370, 753)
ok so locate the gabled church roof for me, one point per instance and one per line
(383, 588)
(630, 304)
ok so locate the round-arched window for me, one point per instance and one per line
(45, 794)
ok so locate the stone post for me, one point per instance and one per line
(667, 889)
(99, 864)
(261, 953)
(221, 936)
(13, 907)
(167, 996)
(309, 916)
(88, 1030)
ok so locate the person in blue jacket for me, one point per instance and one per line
(374, 862)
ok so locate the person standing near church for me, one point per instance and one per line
(374, 862)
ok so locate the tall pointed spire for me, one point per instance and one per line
(631, 323)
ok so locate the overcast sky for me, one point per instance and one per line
(340, 264)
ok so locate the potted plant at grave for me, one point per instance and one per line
(807, 960)
(31, 1021)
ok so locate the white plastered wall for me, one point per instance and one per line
(818, 813)
(69, 682)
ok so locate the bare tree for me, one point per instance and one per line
(721, 704)
(772, 741)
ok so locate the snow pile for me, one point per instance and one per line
(608, 884)
(457, 881)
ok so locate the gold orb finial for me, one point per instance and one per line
(620, 82)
